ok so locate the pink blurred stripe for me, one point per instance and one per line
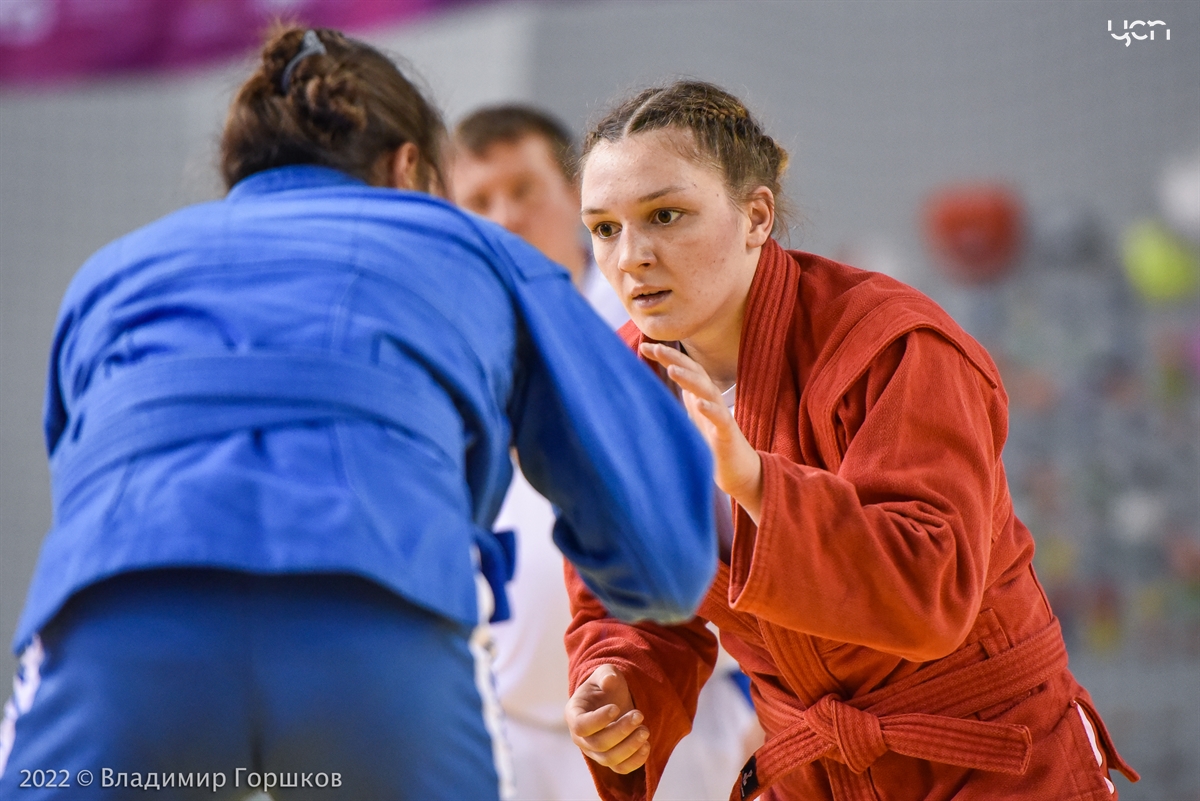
(49, 41)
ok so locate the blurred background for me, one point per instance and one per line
(1034, 167)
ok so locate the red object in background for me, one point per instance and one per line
(976, 230)
(48, 41)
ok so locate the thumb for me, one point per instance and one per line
(609, 682)
(613, 688)
(602, 698)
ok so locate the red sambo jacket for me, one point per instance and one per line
(885, 608)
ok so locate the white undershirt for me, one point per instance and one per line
(724, 509)
(730, 397)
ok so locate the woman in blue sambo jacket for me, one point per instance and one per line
(279, 428)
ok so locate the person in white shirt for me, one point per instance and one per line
(516, 166)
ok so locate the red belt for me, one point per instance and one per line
(857, 731)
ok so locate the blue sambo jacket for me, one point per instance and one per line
(315, 375)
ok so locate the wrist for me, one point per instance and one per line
(749, 491)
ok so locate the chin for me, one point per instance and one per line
(658, 327)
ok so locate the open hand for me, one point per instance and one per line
(737, 467)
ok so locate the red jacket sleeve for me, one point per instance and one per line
(665, 667)
(891, 550)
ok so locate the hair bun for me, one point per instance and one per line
(329, 104)
(346, 106)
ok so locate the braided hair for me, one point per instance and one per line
(724, 133)
(344, 105)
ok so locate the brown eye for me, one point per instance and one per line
(666, 216)
(604, 230)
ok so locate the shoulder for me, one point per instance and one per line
(853, 315)
(421, 218)
(837, 297)
(176, 232)
(422, 215)
(512, 253)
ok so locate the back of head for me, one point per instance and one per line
(342, 104)
(512, 122)
(724, 134)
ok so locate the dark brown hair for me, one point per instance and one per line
(725, 135)
(512, 122)
(346, 108)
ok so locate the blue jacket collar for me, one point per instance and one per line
(298, 176)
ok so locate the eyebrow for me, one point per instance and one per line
(643, 199)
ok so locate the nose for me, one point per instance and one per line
(634, 251)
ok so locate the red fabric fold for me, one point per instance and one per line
(859, 731)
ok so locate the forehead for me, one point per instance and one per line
(530, 152)
(643, 163)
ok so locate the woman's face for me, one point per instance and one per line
(665, 233)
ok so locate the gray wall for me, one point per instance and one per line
(877, 102)
(76, 170)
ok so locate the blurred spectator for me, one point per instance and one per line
(516, 166)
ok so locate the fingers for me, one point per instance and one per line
(669, 357)
(695, 381)
(701, 395)
(612, 684)
(735, 462)
(634, 762)
(714, 412)
(683, 370)
(605, 725)
(598, 702)
(627, 755)
(584, 723)
(664, 355)
(616, 742)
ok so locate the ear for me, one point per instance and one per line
(405, 165)
(760, 208)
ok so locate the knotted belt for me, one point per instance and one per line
(857, 731)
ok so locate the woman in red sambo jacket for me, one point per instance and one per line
(875, 584)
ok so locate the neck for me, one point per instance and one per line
(718, 358)
(715, 346)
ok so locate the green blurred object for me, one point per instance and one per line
(1161, 266)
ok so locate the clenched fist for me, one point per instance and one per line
(604, 723)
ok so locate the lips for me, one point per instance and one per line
(649, 297)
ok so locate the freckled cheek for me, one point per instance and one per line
(707, 290)
(701, 274)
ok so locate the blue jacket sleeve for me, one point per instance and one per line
(600, 436)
